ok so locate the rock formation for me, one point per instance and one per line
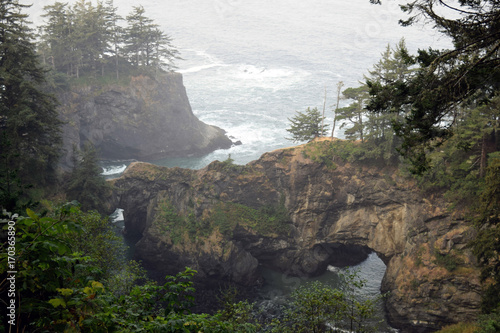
(145, 119)
(225, 220)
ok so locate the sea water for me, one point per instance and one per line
(249, 65)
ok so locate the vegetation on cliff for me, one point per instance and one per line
(89, 40)
(451, 118)
(70, 276)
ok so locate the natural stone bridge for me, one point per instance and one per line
(338, 214)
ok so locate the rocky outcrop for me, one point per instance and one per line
(225, 220)
(145, 119)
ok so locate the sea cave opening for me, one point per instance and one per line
(333, 260)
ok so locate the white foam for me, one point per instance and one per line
(200, 68)
(275, 78)
(333, 269)
(117, 215)
(113, 170)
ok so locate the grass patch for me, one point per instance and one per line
(175, 227)
(267, 220)
(448, 261)
(459, 328)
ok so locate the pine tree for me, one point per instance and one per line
(306, 126)
(146, 44)
(354, 113)
(29, 126)
(86, 184)
(137, 36)
(56, 35)
(446, 81)
(115, 34)
(375, 128)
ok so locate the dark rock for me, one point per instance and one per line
(337, 216)
(148, 119)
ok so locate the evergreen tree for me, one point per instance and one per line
(354, 113)
(29, 126)
(448, 80)
(56, 36)
(163, 53)
(138, 37)
(486, 246)
(86, 184)
(115, 34)
(376, 128)
(306, 126)
(146, 44)
(340, 84)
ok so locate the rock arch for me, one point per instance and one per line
(350, 208)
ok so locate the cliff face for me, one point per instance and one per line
(224, 220)
(147, 119)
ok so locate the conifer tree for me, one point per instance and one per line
(306, 126)
(146, 44)
(447, 80)
(56, 35)
(86, 184)
(375, 127)
(115, 34)
(29, 125)
(354, 113)
(138, 36)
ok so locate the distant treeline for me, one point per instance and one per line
(88, 39)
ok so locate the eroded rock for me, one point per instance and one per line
(147, 119)
(337, 213)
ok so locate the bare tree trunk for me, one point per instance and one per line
(323, 117)
(339, 88)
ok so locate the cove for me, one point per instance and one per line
(278, 286)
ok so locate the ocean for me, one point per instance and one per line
(248, 66)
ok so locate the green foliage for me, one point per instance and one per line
(353, 113)
(30, 138)
(86, 183)
(375, 129)
(88, 40)
(45, 259)
(446, 81)
(59, 289)
(266, 220)
(331, 153)
(487, 223)
(236, 313)
(313, 306)
(169, 221)
(99, 241)
(307, 125)
(316, 307)
(489, 323)
(228, 165)
(447, 260)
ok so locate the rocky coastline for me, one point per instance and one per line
(147, 118)
(333, 211)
